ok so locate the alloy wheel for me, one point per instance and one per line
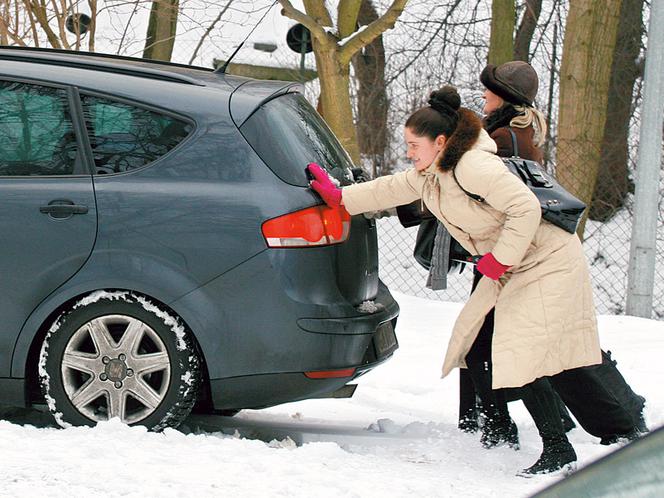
(116, 366)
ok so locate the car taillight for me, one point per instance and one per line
(314, 226)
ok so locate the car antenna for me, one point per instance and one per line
(222, 69)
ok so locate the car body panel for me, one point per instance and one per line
(39, 252)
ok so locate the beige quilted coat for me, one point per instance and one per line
(545, 319)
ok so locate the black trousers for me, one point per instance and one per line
(596, 408)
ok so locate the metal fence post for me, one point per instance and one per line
(641, 273)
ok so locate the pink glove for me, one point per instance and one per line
(491, 267)
(322, 184)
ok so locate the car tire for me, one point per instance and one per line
(117, 354)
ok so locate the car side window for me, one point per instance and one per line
(125, 137)
(36, 133)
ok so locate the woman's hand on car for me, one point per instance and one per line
(490, 267)
(324, 185)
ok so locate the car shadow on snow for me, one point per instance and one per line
(34, 416)
(265, 427)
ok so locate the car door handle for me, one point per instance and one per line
(62, 208)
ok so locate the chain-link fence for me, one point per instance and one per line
(606, 244)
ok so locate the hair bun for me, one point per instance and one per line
(445, 100)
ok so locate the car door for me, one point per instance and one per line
(48, 218)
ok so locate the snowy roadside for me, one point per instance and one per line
(419, 451)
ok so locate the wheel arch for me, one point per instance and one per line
(26, 353)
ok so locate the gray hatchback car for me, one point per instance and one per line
(161, 248)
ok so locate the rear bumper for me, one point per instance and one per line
(358, 342)
(261, 391)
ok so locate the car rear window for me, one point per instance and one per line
(287, 133)
(125, 137)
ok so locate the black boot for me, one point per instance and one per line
(557, 452)
(639, 429)
(640, 420)
(498, 428)
(499, 431)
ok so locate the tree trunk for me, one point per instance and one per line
(372, 102)
(588, 47)
(161, 30)
(501, 44)
(334, 103)
(613, 182)
(524, 34)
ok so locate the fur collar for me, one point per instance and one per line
(500, 118)
(462, 140)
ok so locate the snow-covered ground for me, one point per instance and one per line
(419, 452)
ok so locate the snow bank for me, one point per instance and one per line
(416, 451)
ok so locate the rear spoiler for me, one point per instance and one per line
(251, 94)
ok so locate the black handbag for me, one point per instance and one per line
(559, 207)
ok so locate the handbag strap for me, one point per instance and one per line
(515, 146)
(515, 153)
(475, 197)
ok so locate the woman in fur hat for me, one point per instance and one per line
(510, 117)
(508, 105)
(536, 274)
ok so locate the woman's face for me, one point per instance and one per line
(421, 150)
(492, 101)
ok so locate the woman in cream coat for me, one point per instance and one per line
(538, 280)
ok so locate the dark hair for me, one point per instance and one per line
(440, 117)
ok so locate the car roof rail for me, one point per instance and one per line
(168, 71)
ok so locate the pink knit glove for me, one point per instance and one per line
(491, 267)
(322, 184)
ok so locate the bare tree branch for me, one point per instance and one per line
(208, 30)
(6, 34)
(372, 31)
(39, 11)
(316, 30)
(443, 23)
(524, 33)
(317, 10)
(60, 20)
(92, 29)
(347, 14)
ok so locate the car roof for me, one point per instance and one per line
(251, 93)
(194, 75)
